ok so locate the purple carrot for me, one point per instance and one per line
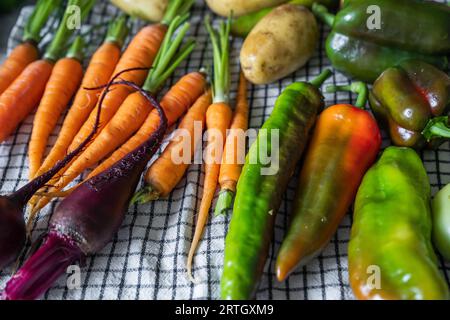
(87, 219)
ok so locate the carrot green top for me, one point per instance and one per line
(75, 12)
(221, 49)
(38, 19)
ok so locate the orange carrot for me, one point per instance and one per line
(27, 52)
(146, 41)
(22, 96)
(20, 57)
(165, 173)
(140, 54)
(99, 71)
(63, 83)
(218, 118)
(231, 166)
(175, 103)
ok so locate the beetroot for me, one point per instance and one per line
(87, 219)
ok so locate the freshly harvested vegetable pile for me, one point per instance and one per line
(118, 121)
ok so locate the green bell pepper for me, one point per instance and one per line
(441, 221)
(406, 97)
(390, 252)
(408, 29)
(259, 194)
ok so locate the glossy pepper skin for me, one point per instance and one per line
(441, 221)
(345, 143)
(391, 232)
(259, 196)
(406, 97)
(410, 29)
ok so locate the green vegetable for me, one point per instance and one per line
(390, 253)
(244, 24)
(407, 29)
(406, 97)
(259, 193)
(441, 221)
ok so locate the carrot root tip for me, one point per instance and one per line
(224, 202)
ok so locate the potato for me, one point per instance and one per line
(282, 42)
(151, 10)
(240, 7)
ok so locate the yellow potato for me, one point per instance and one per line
(151, 10)
(282, 42)
(240, 7)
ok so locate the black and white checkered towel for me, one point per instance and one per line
(146, 259)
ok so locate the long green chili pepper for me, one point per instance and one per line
(260, 189)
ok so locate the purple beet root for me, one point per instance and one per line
(12, 224)
(87, 219)
(12, 231)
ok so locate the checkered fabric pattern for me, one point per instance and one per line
(146, 259)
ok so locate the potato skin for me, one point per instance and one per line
(282, 42)
(240, 7)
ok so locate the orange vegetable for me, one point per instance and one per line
(175, 103)
(218, 118)
(16, 62)
(27, 52)
(99, 71)
(231, 166)
(23, 95)
(63, 83)
(165, 173)
(140, 54)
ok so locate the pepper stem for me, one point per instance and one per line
(224, 202)
(321, 12)
(42, 269)
(320, 79)
(356, 87)
(438, 127)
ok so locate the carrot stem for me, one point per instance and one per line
(66, 28)
(224, 202)
(167, 59)
(118, 30)
(38, 19)
(76, 51)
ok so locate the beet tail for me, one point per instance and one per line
(46, 265)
